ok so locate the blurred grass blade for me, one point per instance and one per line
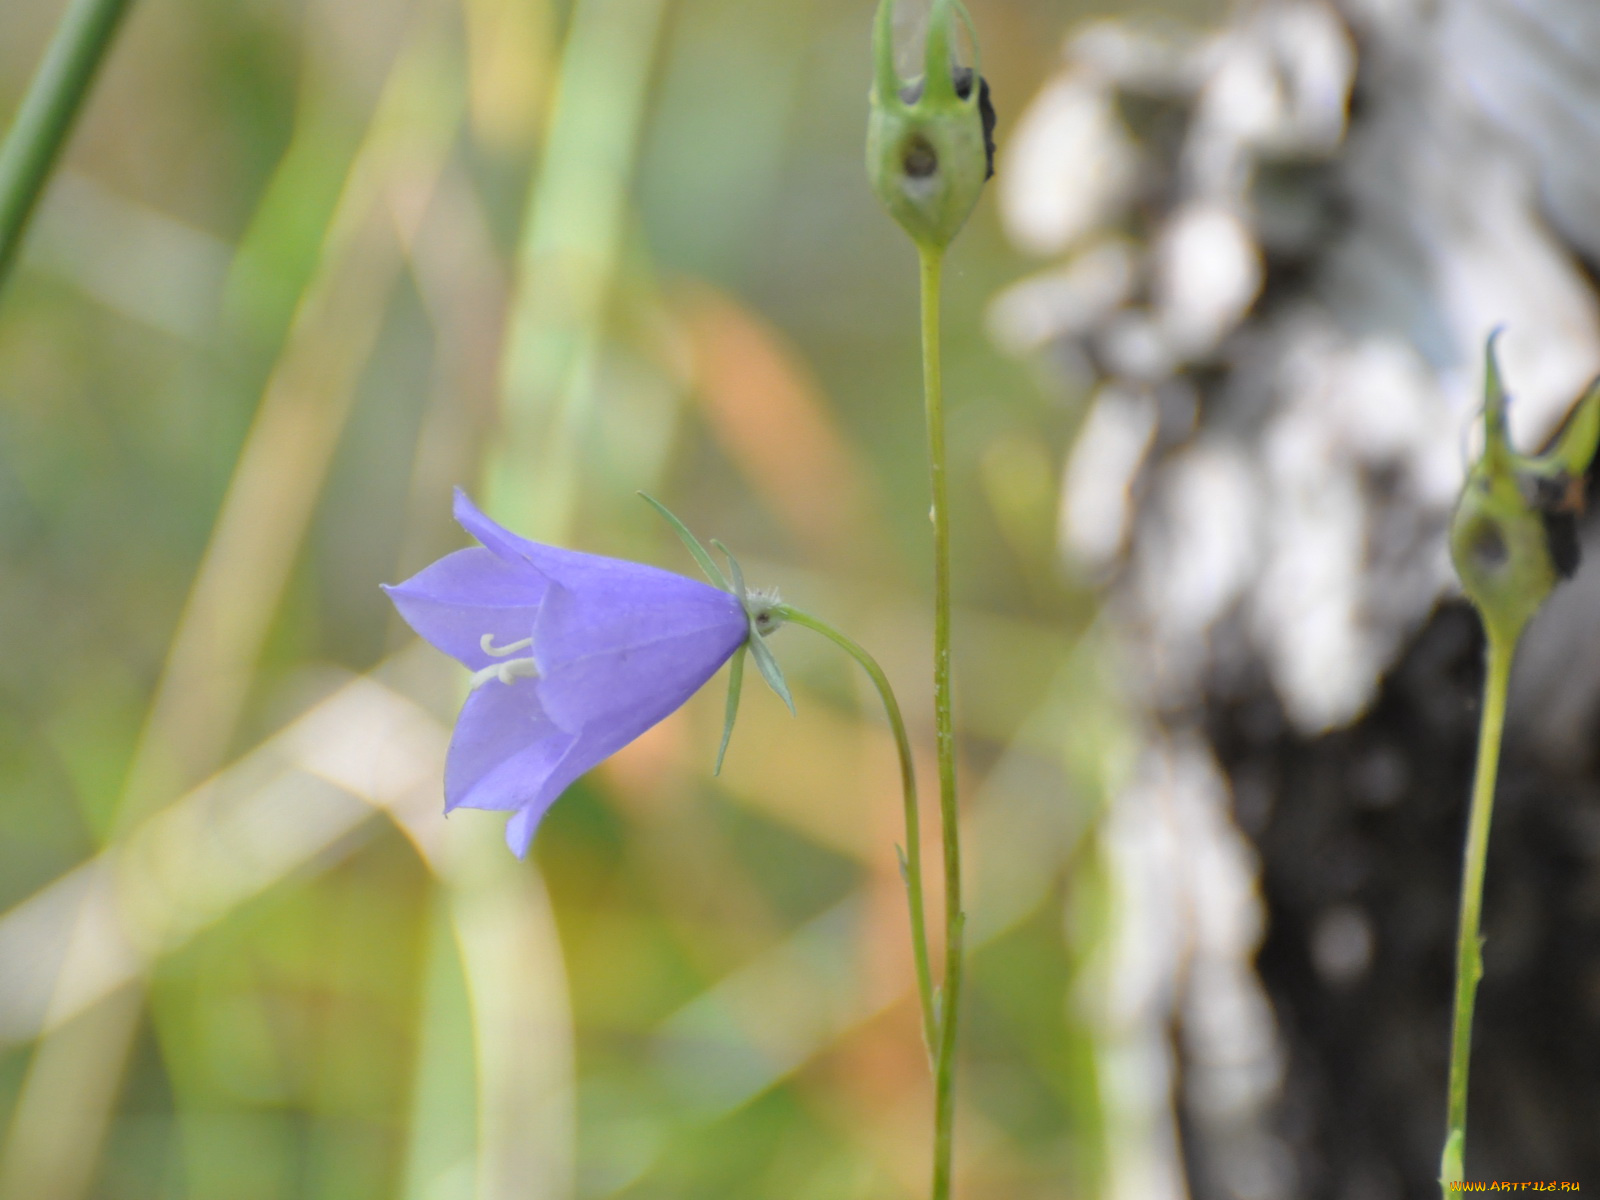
(276, 484)
(441, 1150)
(771, 416)
(278, 477)
(42, 1157)
(232, 837)
(571, 242)
(521, 1022)
(47, 112)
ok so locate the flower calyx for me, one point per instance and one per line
(1513, 536)
(930, 144)
(762, 610)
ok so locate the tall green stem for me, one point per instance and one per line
(47, 112)
(1469, 959)
(911, 860)
(949, 813)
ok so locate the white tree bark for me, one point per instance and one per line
(1274, 256)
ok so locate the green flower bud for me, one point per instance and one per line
(1514, 534)
(929, 140)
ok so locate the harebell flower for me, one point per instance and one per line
(572, 656)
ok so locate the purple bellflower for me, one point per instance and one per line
(573, 656)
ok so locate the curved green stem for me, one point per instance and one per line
(1469, 958)
(911, 857)
(47, 112)
(949, 812)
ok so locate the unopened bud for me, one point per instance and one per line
(929, 140)
(1514, 533)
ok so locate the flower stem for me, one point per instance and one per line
(47, 112)
(1469, 959)
(949, 813)
(911, 859)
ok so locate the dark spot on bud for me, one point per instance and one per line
(921, 159)
(1552, 493)
(1561, 539)
(986, 111)
(1487, 545)
(961, 77)
(1558, 499)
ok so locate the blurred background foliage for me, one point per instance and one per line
(306, 265)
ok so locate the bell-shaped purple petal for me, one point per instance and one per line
(572, 567)
(468, 594)
(593, 651)
(631, 645)
(524, 823)
(505, 750)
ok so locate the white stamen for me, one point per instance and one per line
(505, 672)
(487, 643)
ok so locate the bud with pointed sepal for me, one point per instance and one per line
(1514, 533)
(930, 144)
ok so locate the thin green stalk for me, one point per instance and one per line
(46, 114)
(1469, 958)
(949, 813)
(911, 857)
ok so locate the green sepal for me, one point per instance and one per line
(977, 53)
(735, 685)
(885, 78)
(1495, 399)
(1573, 448)
(765, 663)
(693, 543)
(770, 671)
